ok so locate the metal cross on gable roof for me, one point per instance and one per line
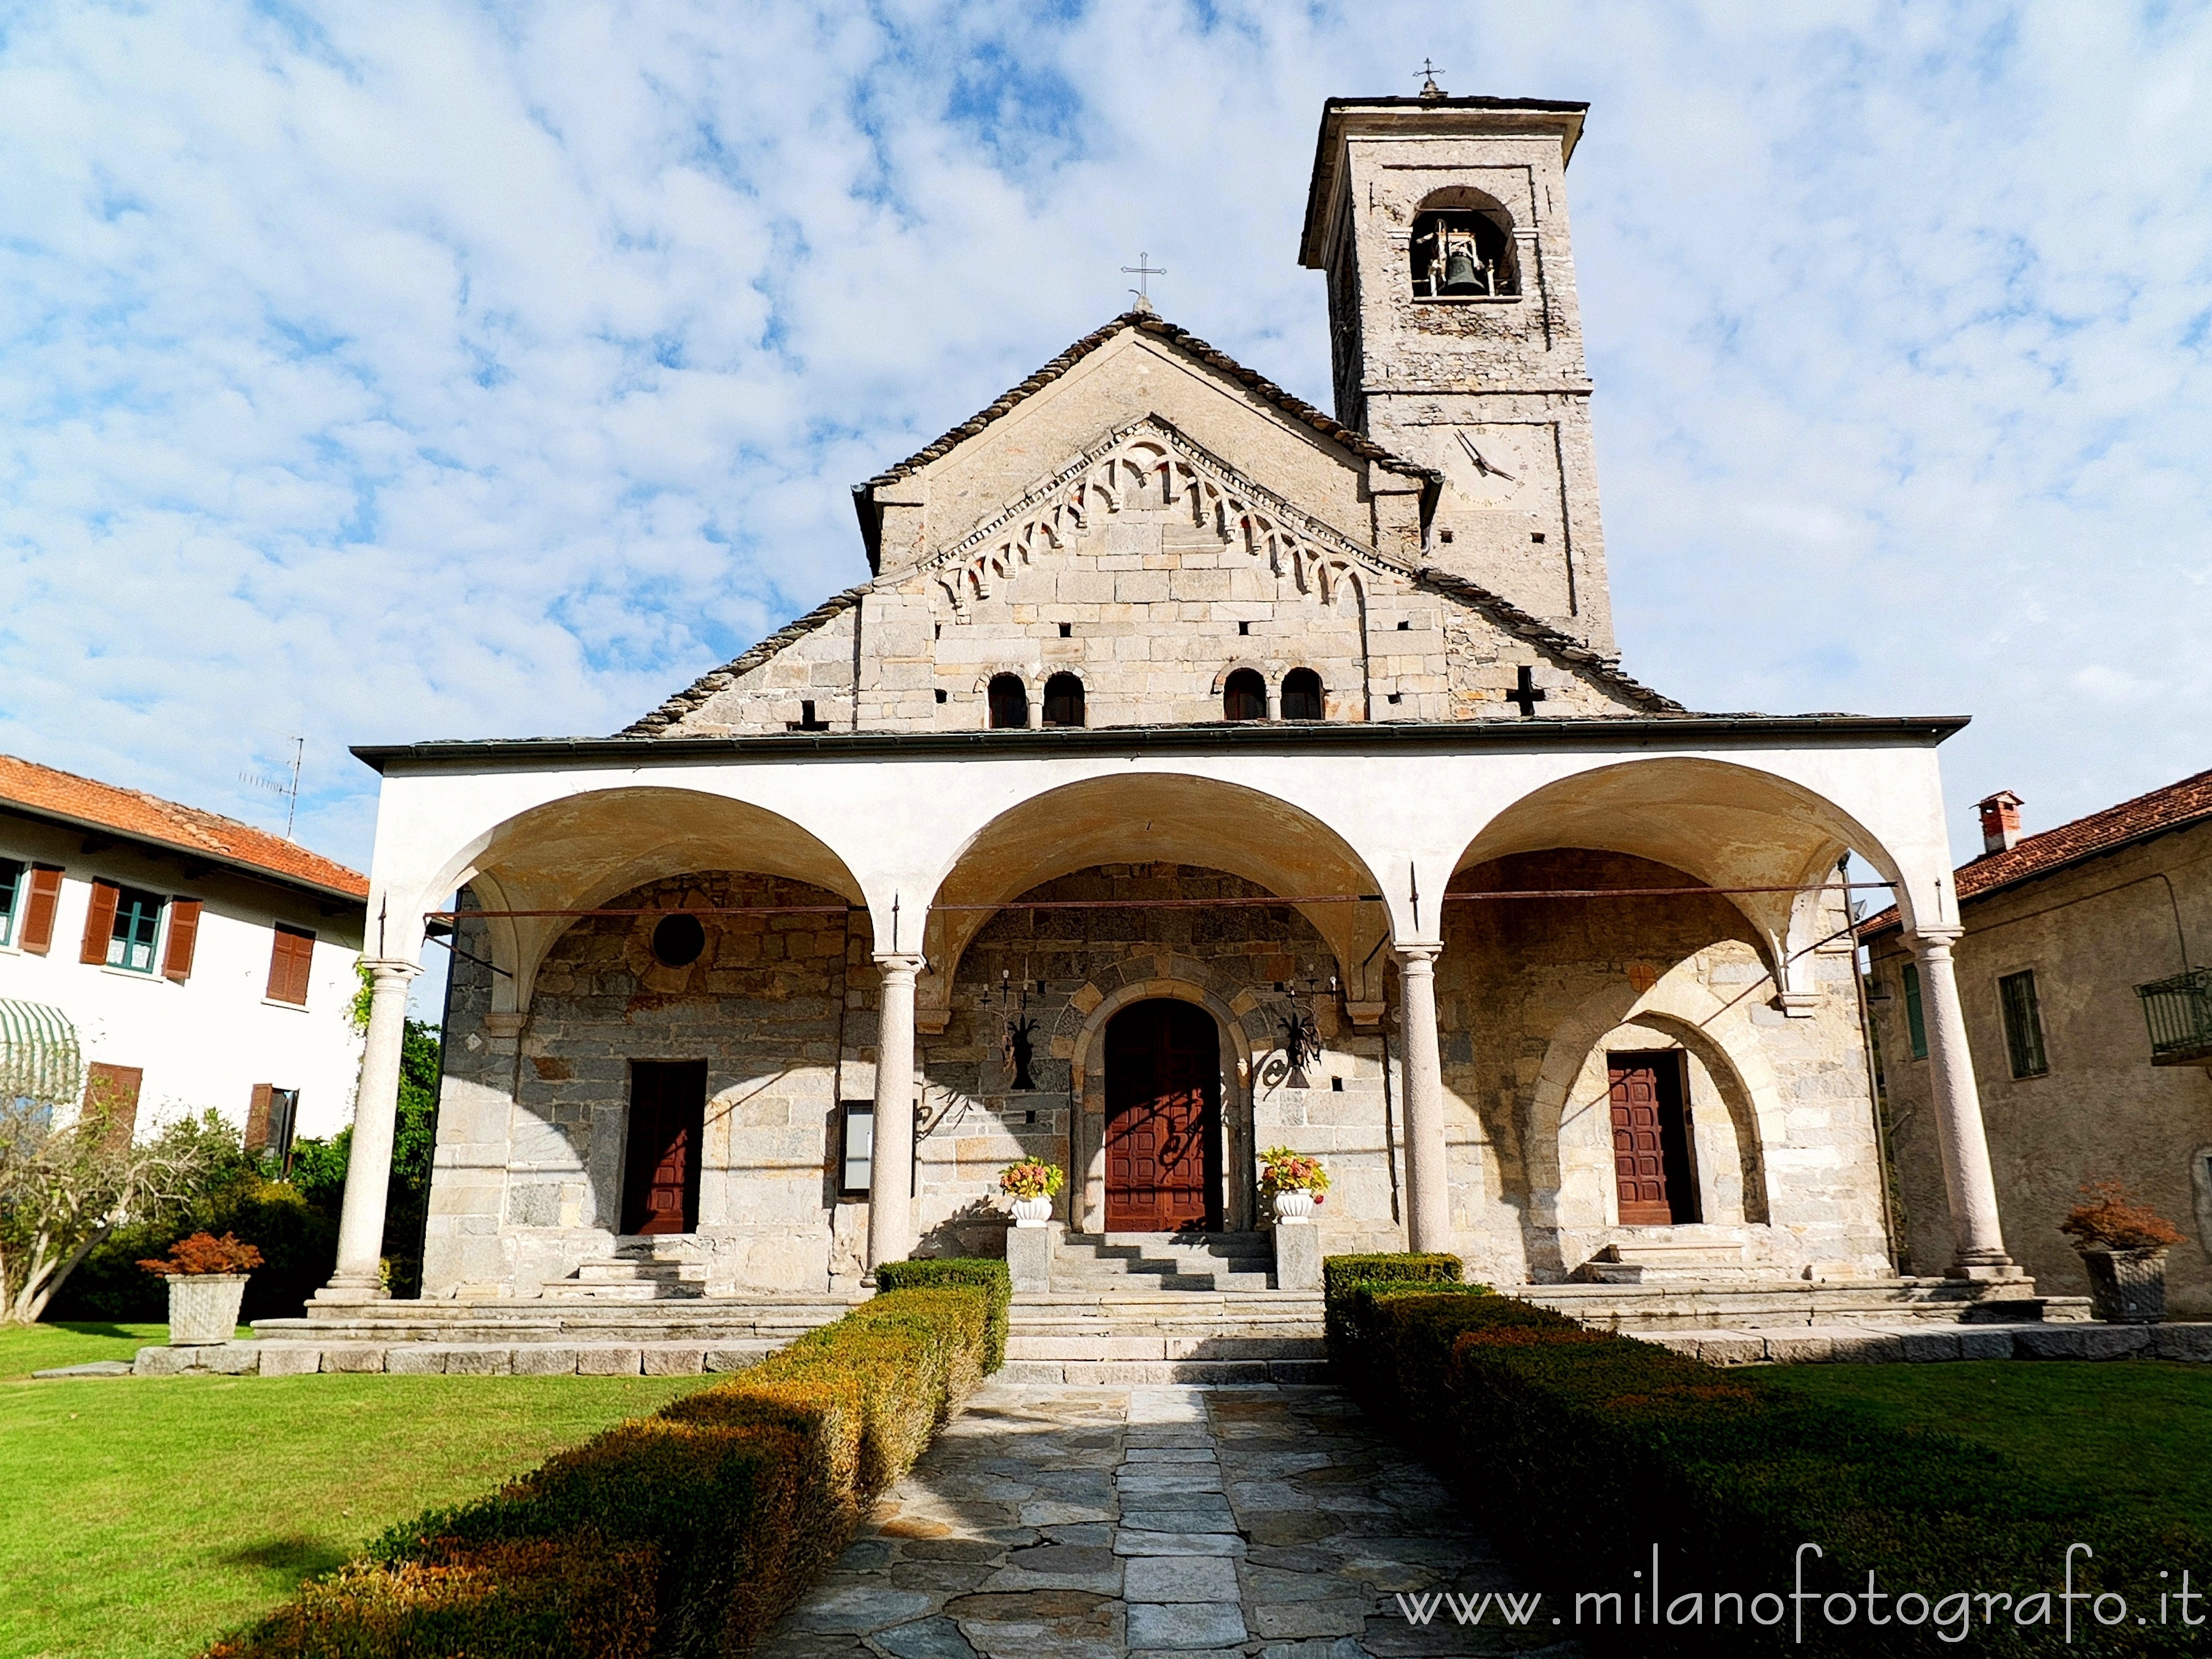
(1143, 270)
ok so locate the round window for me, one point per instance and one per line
(677, 940)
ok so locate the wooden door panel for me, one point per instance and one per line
(660, 1165)
(1163, 1118)
(1650, 1159)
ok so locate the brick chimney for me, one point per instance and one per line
(2000, 822)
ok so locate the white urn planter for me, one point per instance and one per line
(1032, 1211)
(204, 1308)
(1294, 1206)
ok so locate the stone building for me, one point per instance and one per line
(1195, 772)
(2088, 1008)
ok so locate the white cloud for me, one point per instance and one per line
(422, 370)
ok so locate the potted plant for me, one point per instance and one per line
(207, 1279)
(2123, 1246)
(1032, 1186)
(1295, 1182)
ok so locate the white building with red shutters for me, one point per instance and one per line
(172, 960)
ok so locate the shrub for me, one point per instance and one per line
(203, 1253)
(298, 1244)
(713, 1516)
(2110, 1219)
(1599, 1445)
(1341, 1274)
(985, 1272)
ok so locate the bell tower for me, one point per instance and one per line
(1455, 335)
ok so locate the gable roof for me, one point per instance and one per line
(85, 802)
(1151, 323)
(695, 695)
(2176, 806)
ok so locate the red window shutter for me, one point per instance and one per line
(257, 1119)
(100, 921)
(291, 955)
(183, 938)
(114, 1089)
(39, 907)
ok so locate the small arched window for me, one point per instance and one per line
(1009, 702)
(1063, 701)
(1302, 696)
(1245, 697)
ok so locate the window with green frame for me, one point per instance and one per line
(2023, 1024)
(1915, 1024)
(11, 898)
(137, 925)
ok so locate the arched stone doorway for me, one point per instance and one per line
(1163, 1119)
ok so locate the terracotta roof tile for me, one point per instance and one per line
(167, 824)
(2174, 807)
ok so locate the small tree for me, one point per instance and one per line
(62, 1189)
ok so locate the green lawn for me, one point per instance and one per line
(2120, 1434)
(144, 1516)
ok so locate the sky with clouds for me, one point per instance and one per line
(382, 372)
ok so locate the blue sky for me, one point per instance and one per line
(421, 370)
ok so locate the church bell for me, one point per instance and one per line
(1460, 274)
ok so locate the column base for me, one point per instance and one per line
(1986, 1266)
(350, 1293)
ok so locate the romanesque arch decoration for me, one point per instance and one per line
(1150, 464)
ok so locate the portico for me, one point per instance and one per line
(1371, 844)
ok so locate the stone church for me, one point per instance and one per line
(1196, 773)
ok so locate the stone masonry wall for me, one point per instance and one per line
(1531, 995)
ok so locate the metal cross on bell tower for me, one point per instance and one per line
(1428, 72)
(1143, 270)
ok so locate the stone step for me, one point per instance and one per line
(290, 1358)
(1080, 1281)
(715, 1320)
(629, 1270)
(1783, 1302)
(1122, 1373)
(644, 1289)
(1024, 1344)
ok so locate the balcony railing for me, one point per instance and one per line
(2179, 1014)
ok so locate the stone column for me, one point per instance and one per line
(890, 1178)
(1428, 1202)
(368, 1165)
(1968, 1181)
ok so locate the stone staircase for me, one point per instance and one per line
(1148, 1308)
(634, 1331)
(641, 1270)
(1686, 1301)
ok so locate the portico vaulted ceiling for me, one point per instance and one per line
(1165, 818)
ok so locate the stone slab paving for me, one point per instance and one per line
(1161, 1522)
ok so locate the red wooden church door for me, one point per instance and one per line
(1163, 1118)
(668, 1121)
(1650, 1139)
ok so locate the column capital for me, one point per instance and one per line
(1422, 950)
(899, 964)
(1935, 941)
(391, 968)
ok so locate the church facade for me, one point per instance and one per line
(1196, 773)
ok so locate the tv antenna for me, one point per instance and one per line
(288, 792)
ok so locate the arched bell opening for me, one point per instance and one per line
(1008, 701)
(1461, 247)
(1244, 695)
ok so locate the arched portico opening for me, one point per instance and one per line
(1153, 819)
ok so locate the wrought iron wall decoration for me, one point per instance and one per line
(1301, 1031)
(1017, 1030)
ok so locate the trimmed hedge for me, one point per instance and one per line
(1340, 1275)
(714, 1514)
(1600, 1446)
(985, 1272)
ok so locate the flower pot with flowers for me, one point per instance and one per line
(1033, 1186)
(1294, 1182)
(207, 1279)
(2123, 1246)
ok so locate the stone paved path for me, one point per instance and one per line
(1063, 1522)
